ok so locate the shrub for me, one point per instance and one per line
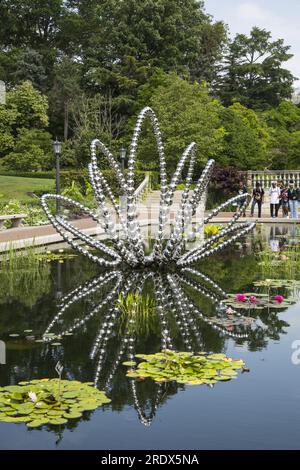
(80, 177)
(28, 174)
(32, 151)
(226, 179)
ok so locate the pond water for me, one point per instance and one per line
(258, 410)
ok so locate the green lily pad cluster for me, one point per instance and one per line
(48, 401)
(185, 367)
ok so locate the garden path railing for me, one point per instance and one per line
(265, 178)
(142, 189)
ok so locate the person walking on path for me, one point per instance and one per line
(241, 190)
(274, 194)
(293, 196)
(280, 186)
(258, 198)
(284, 198)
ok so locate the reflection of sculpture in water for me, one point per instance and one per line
(126, 243)
(175, 315)
(2, 353)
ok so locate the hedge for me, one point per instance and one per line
(29, 174)
(81, 178)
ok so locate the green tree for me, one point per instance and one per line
(246, 138)
(94, 117)
(32, 151)
(29, 66)
(186, 113)
(127, 40)
(7, 120)
(32, 23)
(24, 143)
(31, 106)
(254, 73)
(36, 25)
(284, 128)
(65, 91)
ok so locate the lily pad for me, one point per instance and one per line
(37, 402)
(185, 368)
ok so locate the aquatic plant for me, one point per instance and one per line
(185, 367)
(22, 271)
(241, 297)
(139, 309)
(283, 264)
(48, 401)
(257, 301)
(277, 283)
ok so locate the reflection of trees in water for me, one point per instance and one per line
(34, 281)
(28, 294)
(273, 327)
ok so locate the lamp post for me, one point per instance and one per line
(57, 152)
(122, 157)
(122, 152)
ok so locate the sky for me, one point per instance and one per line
(278, 16)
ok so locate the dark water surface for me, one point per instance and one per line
(258, 410)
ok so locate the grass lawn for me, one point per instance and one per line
(14, 187)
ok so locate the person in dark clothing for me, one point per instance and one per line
(284, 200)
(241, 190)
(293, 196)
(280, 186)
(258, 198)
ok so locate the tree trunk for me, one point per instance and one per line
(66, 120)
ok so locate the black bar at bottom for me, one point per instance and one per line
(133, 459)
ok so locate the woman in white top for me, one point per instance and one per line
(274, 194)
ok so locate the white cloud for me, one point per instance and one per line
(251, 11)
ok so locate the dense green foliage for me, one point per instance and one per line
(246, 138)
(80, 69)
(197, 118)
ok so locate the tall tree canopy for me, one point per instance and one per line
(127, 40)
(254, 73)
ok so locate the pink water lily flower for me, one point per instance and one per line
(241, 297)
(253, 299)
(279, 299)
